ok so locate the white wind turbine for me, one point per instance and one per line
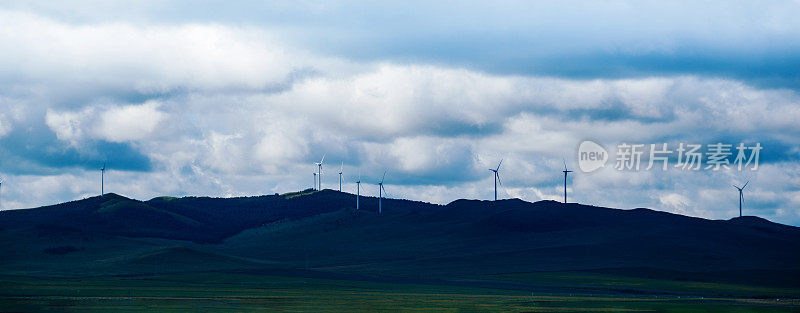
(340, 176)
(565, 180)
(496, 178)
(319, 169)
(358, 190)
(380, 193)
(741, 196)
(102, 179)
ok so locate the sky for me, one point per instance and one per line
(240, 98)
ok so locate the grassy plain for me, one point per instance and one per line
(243, 292)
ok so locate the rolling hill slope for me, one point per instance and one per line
(321, 231)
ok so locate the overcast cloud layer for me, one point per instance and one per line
(238, 99)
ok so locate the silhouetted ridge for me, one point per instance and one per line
(763, 224)
(410, 237)
(753, 220)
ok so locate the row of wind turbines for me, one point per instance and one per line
(381, 190)
(495, 172)
(497, 179)
(318, 184)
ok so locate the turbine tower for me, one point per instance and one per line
(319, 170)
(340, 176)
(565, 180)
(102, 179)
(741, 196)
(496, 178)
(380, 193)
(358, 190)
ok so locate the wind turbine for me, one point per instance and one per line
(358, 189)
(380, 193)
(496, 178)
(340, 176)
(102, 179)
(319, 169)
(741, 196)
(565, 180)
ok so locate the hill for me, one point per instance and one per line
(321, 232)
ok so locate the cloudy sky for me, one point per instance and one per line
(232, 99)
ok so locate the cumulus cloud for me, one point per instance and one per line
(86, 62)
(130, 122)
(107, 122)
(277, 147)
(536, 122)
(69, 126)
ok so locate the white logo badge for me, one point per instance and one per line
(591, 156)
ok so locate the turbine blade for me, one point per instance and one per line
(384, 177)
(498, 179)
(323, 159)
(565, 164)
(734, 186)
(745, 184)
(498, 164)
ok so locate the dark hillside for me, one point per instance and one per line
(322, 231)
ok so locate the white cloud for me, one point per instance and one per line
(148, 59)
(129, 122)
(675, 202)
(69, 126)
(422, 130)
(107, 122)
(277, 147)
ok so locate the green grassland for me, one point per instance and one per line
(600, 282)
(243, 292)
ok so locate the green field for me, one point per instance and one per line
(232, 292)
